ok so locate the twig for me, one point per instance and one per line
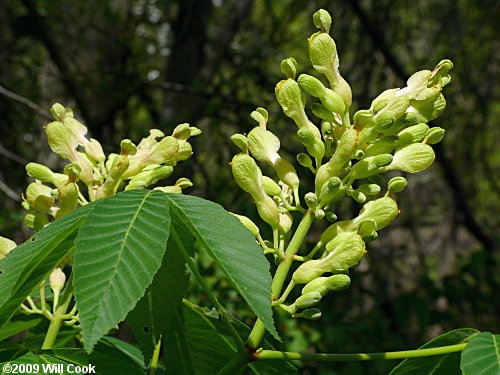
(25, 101)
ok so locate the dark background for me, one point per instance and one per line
(128, 66)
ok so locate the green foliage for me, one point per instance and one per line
(448, 364)
(481, 356)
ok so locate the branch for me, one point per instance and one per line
(25, 101)
(323, 357)
(9, 192)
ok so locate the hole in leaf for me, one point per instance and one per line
(33, 239)
(146, 329)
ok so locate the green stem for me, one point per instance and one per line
(154, 360)
(58, 317)
(272, 354)
(282, 271)
(206, 288)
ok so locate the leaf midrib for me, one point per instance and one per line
(120, 253)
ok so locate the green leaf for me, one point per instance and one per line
(118, 251)
(19, 324)
(232, 246)
(446, 364)
(197, 344)
(152, 314)
(481, 356)
(29, 264)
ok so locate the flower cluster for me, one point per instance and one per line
(347, 158)
(135, 167)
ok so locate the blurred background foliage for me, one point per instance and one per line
(126, 66)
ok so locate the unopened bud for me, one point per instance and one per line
(249, 224)
(311, 314)
(270, 187)
(308, 300)
(397, 184)
(44, 174)
(434, 135)
(57, 280)
(315, 147)
(304, 160)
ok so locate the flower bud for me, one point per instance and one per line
(368, 166)
(311, 314)
(249, 224)
(319, 213)
(383, 145)
(319, 110)
(383, 210)
(384, 121)
(329, 189)
(369, 189)
(44, 174)
(57, 279)
(248, 175)
(344, 251)
(323, 285)
(308, 300)
(241, 142)
(311, 200)
(6, 246)
(324, 58)
(434, 135)
(286, 172)
(290, 98)
(270, 187)
(345, 149)
(315, 147)
(412, 158)
(289, 67)
(305, 160)
(412, 134)
(94, 150)
(268, 211)
(68, 199)
(322, 20)
(285, 223)
(358, 196)
(330, 100)
(263, 145)
(397, 184)
(150, 175)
